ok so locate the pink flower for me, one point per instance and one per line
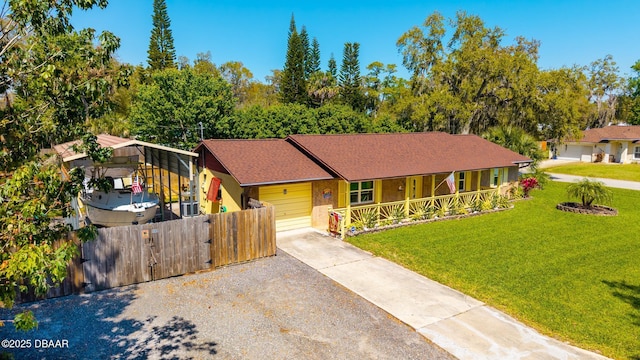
(528, 184)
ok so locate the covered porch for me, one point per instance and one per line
(371, 204)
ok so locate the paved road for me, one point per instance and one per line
(633, 185)
(273, 308)
(622, 184)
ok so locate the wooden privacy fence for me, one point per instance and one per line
(133, 254)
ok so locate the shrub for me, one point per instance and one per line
(369, 219)
(422, 213)
(528, 184)
(590, 191)
(397, 213)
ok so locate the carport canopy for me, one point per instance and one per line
(177, 161)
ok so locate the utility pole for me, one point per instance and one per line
(201, 131)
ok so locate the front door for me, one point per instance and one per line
(414, 187)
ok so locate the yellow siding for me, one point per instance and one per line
(342, 193)
(292, 203)
(231, 192)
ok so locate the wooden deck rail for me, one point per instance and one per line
(380, 214)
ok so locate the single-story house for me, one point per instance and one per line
(611, 144)
(307, 176)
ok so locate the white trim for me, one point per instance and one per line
(462, 182)
(360, 191)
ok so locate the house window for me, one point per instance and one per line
(361, 192)
(496, 177)
(462, 181)
(636, 152)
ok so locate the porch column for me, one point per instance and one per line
(407, 194)
(347, 201)
(433, 185)
(377, 196)
(607, 153)
(624, 153)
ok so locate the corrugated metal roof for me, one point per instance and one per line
(105, 140)
(174, 160)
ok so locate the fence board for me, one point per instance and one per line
(122, 256)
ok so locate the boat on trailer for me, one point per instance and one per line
(120, 206)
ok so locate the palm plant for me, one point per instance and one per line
(517, 140)
(590, 191)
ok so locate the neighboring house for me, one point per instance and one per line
(306, 176)
(611, 144)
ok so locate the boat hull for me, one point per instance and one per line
(120, 208)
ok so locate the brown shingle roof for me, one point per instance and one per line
(611, 133)
(359, 157)
(271, 161)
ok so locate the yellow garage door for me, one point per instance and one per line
(292, 203)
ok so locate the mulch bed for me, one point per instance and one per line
(600, 210)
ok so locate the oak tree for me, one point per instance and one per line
(172, 107)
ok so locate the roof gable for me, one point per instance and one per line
(265, 161)
(357, 157)
(615, 132)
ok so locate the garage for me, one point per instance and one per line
(292, 203)
(576, 152)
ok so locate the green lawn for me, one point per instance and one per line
(574, 277)
(610, 171)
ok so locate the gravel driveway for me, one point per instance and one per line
(273, 308)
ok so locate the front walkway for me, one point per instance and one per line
(463, 326)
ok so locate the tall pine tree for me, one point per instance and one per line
(313, 65)
(293, 86)
(349, 79)
(161, 52)
(333, 67)
(306, 48)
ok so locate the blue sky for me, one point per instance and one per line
(255, 32)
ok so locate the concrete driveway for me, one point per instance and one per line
(463, 326)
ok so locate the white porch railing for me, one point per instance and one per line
(372, 215)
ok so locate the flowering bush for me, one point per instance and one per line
(528, 184)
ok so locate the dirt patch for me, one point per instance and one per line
(578, 208)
